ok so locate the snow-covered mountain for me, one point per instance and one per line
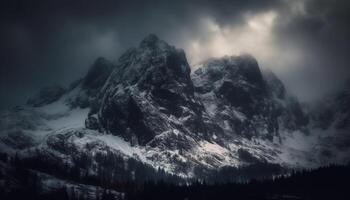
(149, 107)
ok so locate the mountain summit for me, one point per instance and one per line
(149, 92)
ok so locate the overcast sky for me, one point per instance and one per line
(45, 42)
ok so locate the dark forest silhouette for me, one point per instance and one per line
(329, 182)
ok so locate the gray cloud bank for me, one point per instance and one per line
(45, 42)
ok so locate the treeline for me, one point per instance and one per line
(331, 182)
(25, 184)
(109, 171)
(106, 169)
(229, 174)
(140, 181)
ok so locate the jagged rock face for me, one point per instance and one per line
(89, 87)
(235, 80)
(97, 75)
(275, 86)
(150, 92)
(240, 100)
(290, 112)
(46, 96)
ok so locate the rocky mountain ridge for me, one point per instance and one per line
(150, 107)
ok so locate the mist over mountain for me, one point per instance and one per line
(148, 117)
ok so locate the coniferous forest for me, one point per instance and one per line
(329, 182)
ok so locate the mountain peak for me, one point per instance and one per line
(149, 82)
(149, 40)
(234, 68)
(98, 73)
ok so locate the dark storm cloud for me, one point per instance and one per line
(323, 29)
(320, 30)
(44, 42)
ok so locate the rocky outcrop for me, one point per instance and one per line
(97, 76)
(87, 90)
(241, 100)
(150, 92)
